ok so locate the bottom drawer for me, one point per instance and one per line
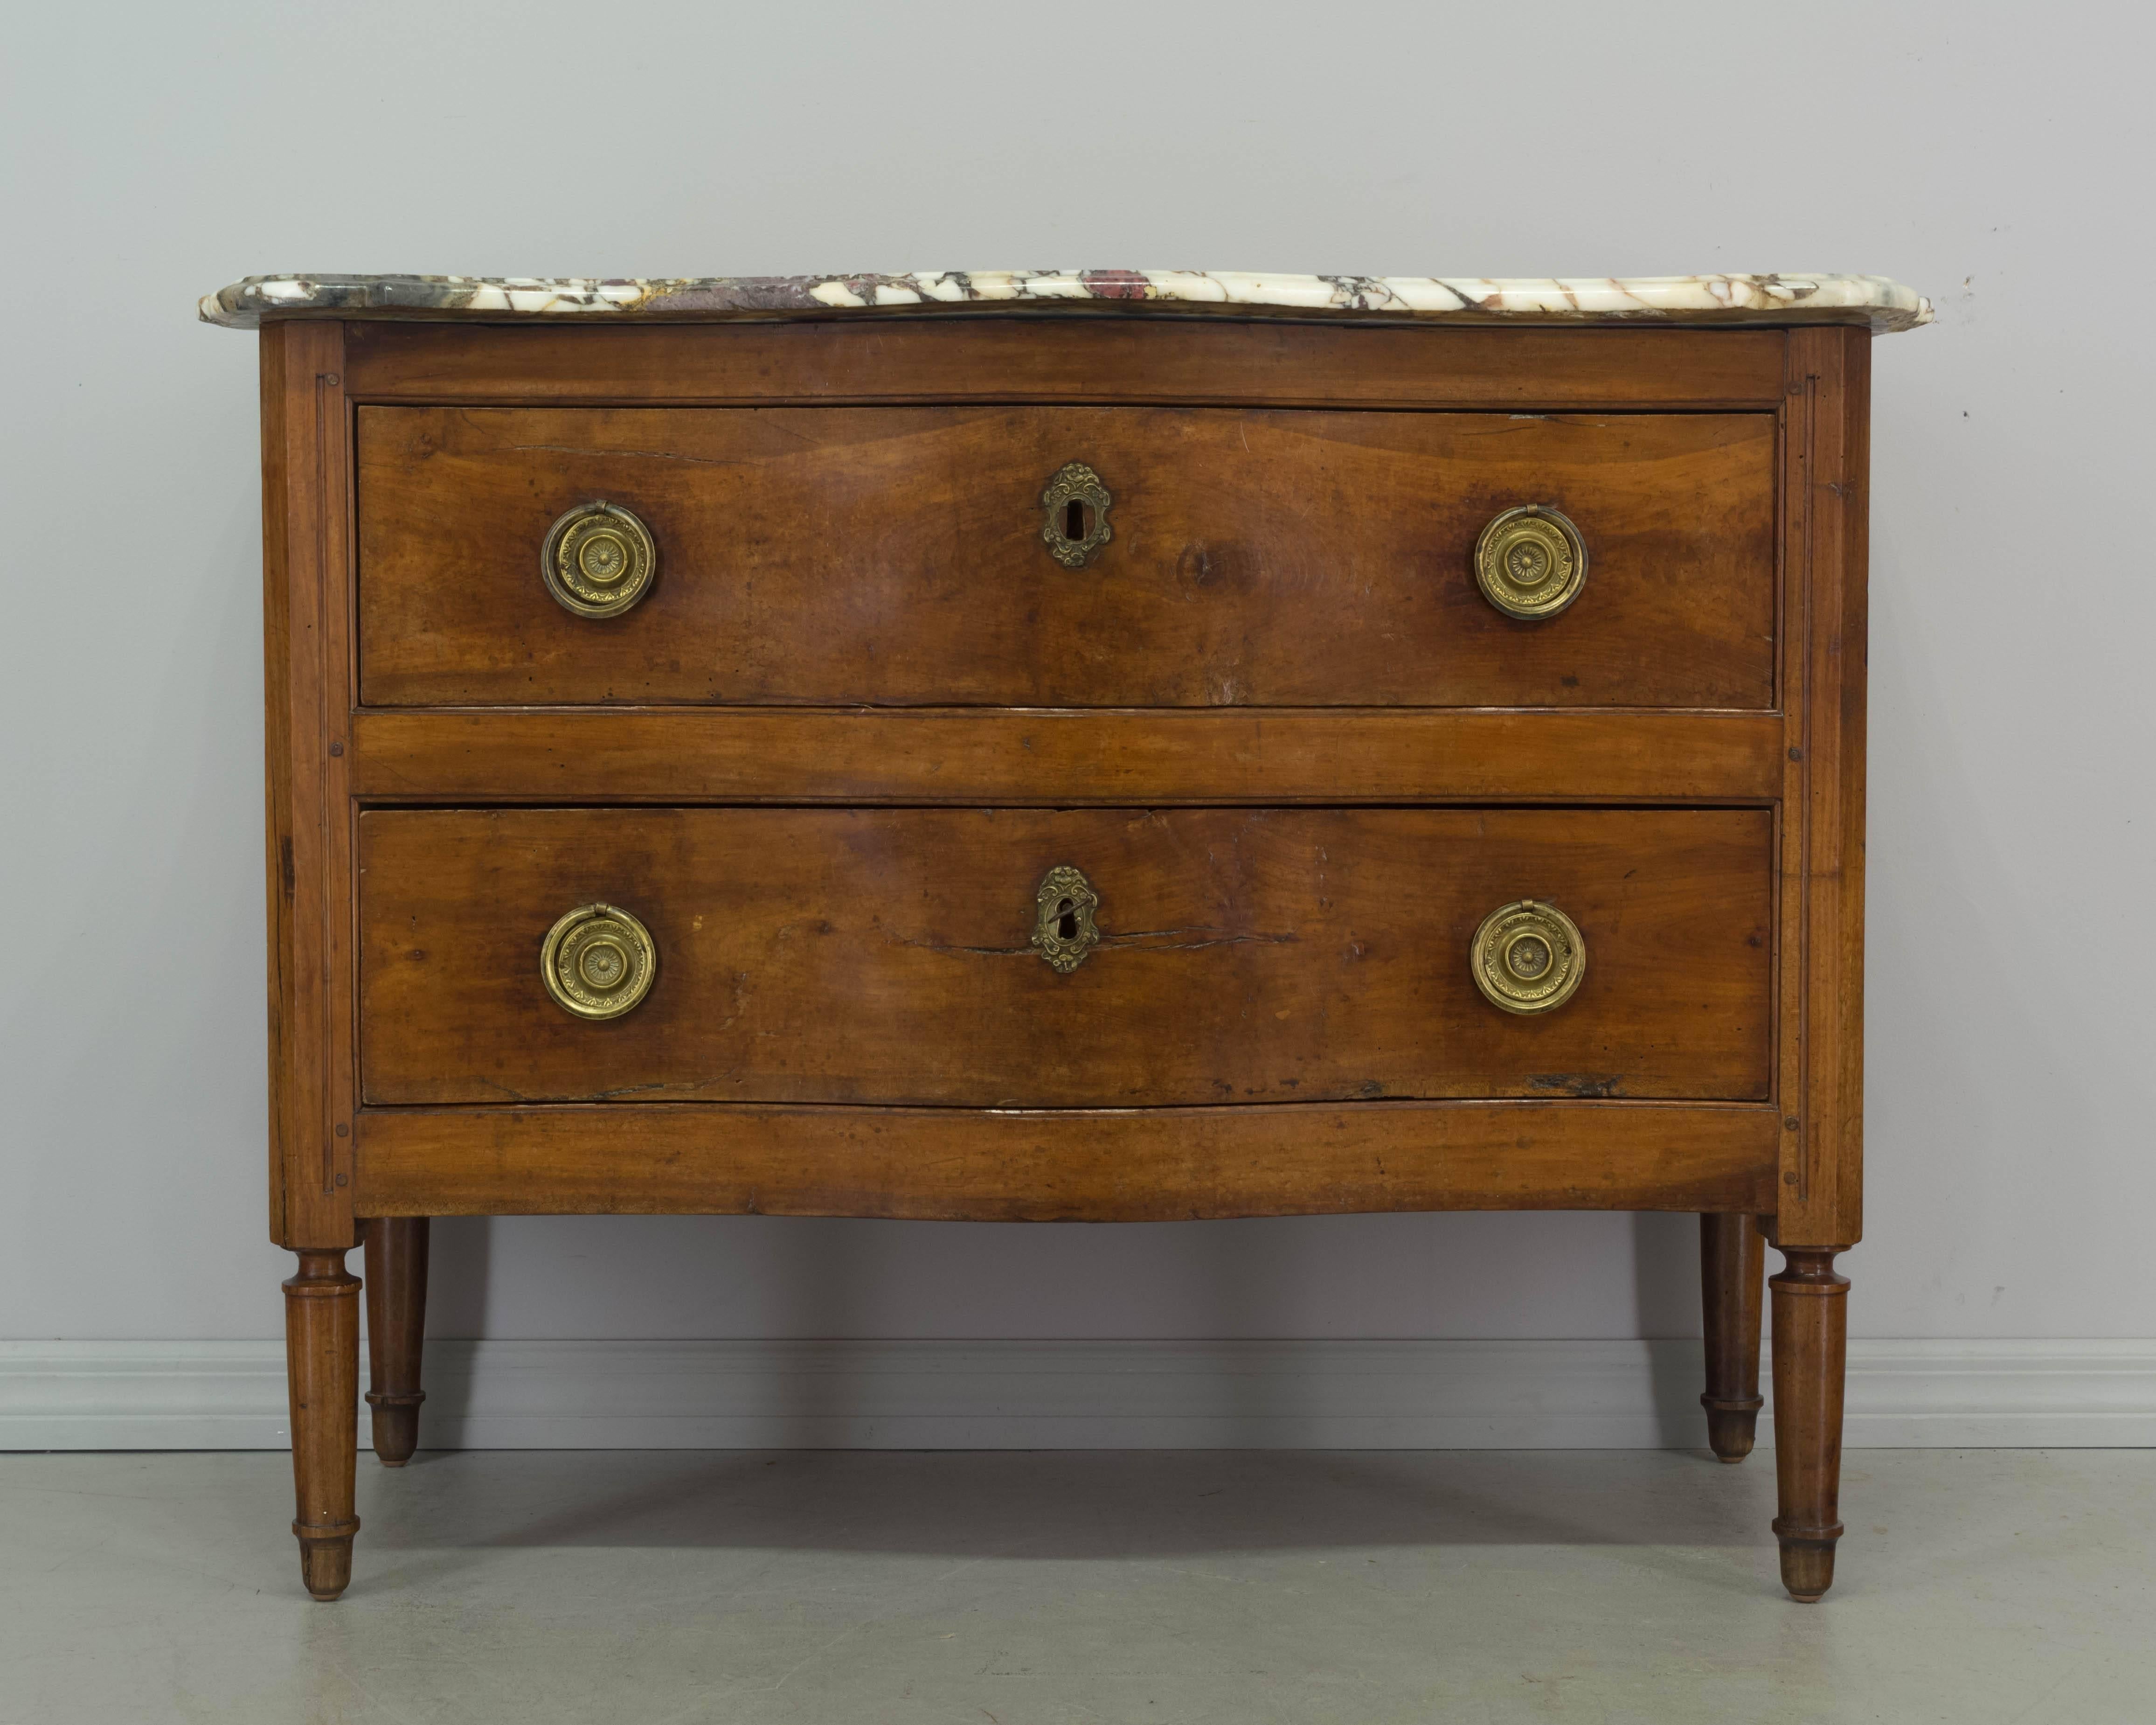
(907, 956)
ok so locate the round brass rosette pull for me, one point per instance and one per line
(1531, 562)
(598, 962)
(1529, 958)
(599, 559)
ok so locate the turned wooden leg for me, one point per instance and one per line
(321, 1359)
(1732, 1267)
(1811, 1337)
(396, 1328)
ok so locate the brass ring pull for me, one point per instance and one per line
(1531, 562)
(1063, 930)
(599, 559)
(1077, 525)
(1529, 958)
(598, 962)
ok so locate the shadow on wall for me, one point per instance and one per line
(460, 1259)
(1665, 1302)
(830, 1287)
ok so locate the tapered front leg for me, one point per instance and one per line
(1811, 1347)
(1732, 1268)
(396, 1328)
(322, 1359)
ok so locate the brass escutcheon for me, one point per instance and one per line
(599, 559)
(1063, 930)
(1531, 562)
(1077, 524)
(1529, 958)
(598, 962)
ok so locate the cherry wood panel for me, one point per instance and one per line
(866, 956)
(973, 756)
(894, 556)
(1112, 358)
(1827, 493)
(1155, 1165)
(306, 597)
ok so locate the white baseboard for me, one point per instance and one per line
(936, 1395)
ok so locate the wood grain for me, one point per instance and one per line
(308, 698)
(893, 557)
(1811, 1346)
(883, 957)
(1732, 1265)
(1827, 489)
(1154, 1165)
(1062, 758)
(1077, 359)
(322, 1360)
(397, 1250)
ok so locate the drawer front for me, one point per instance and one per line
(890, 957)
(896, 555)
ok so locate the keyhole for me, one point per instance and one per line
(1074, 519)
(1066, 914)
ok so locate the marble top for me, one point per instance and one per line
(1871, 301)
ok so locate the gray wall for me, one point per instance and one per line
(1994, 157)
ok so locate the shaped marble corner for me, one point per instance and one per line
(1869, 301)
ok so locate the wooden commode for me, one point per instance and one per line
(1113, 747)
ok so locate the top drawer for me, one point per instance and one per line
(896, 555)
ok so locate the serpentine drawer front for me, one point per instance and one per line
(1075, 557)
(1149, 747)
(891, 956)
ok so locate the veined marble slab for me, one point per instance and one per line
(1874, 300)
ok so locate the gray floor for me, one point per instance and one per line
(861, 1588)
